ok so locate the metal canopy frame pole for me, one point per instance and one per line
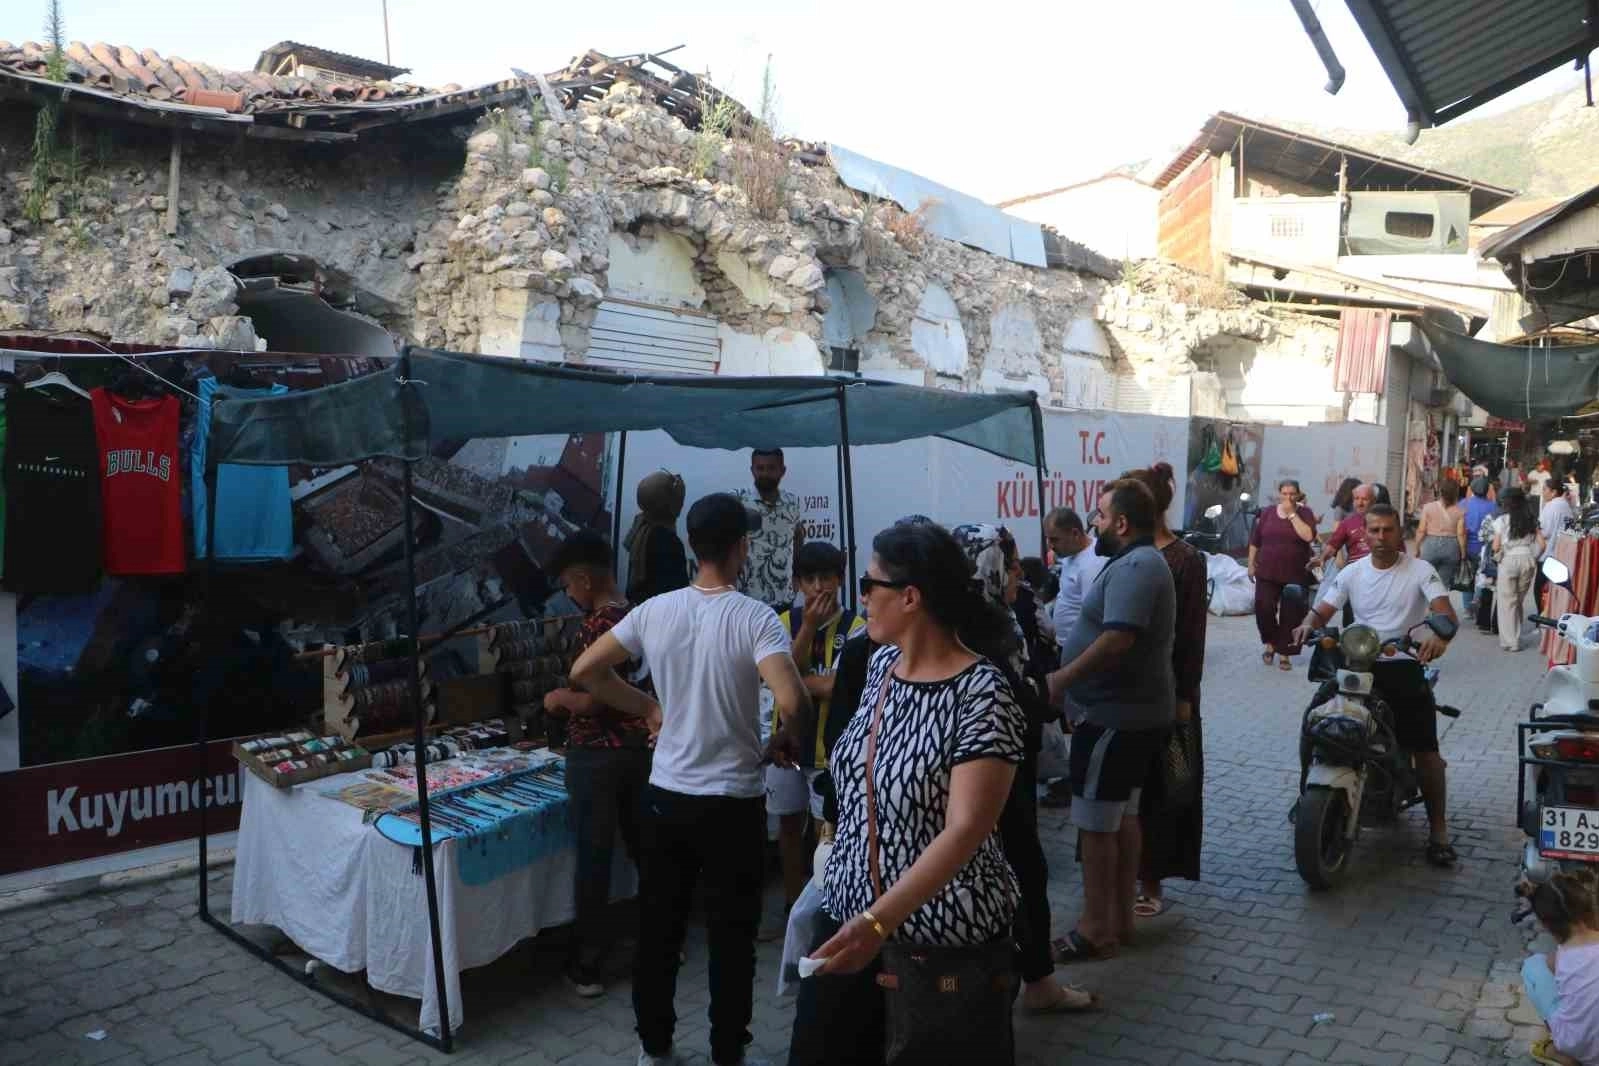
(849, 573)
(203, 736)
(299, 974)
(847, 534)
(1038, 471)
(413, 633)
(616, 518)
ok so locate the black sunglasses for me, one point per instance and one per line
(868, 583)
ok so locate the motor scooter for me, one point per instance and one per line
(1557, 795)
(1210, 532)
(1355, 772)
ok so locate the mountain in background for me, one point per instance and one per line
(1549, 147)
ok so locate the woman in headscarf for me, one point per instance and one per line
(1172, 834)
(997, 567)
(656, 561)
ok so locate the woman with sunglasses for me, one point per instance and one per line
(916, 856)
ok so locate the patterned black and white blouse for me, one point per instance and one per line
(928, 728)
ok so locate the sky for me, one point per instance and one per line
(997, 99)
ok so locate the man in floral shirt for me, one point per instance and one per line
(768, 573)
(607, 757)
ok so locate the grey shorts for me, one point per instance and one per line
(1109, 768)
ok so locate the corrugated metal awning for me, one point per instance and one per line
(1446, 57)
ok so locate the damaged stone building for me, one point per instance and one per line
(592, 215)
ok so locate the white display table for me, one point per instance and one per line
(351, 898)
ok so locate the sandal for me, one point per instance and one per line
(1442, 856)
(1267, 656)
(1149, 906)
(1074, 999)
(1075, 947)
(1543, 1050)
(1285, 663)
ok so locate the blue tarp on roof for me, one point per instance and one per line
(950, 213)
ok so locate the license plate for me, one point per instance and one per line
(1569, 832)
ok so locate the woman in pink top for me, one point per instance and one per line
(1563, 986)
(1279, 556)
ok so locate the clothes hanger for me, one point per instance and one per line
(55, 377)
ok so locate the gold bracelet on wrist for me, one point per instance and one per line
(877, 926)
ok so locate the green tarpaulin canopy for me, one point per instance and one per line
(1516, 380)
(446, 396)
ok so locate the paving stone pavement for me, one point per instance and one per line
(1416, 965)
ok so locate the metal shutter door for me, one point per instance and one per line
(627, 335)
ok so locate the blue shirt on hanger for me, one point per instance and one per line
(255, 520)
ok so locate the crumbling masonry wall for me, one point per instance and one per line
(508, 250)
(101, 262)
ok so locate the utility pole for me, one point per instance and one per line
(386, 57)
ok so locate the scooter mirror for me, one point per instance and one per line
(1556, 572)
(1213, 511)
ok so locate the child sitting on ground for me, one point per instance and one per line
(1564, 985)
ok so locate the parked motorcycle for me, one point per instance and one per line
(1355, 772)
(1557, 796)
(1210, 533)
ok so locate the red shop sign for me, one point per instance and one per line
(1506, 425)
(67, 811)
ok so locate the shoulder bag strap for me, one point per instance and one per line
(872, 846)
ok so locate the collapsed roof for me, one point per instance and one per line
(302, 92)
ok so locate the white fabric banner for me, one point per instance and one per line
(948, 482)
(1320, 457)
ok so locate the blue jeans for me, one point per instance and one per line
(1539, 984)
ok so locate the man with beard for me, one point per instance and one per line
(1118, 674)
(768, 573)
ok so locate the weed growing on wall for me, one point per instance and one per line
(42, 171)
(760, 162)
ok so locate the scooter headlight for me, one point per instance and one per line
(1360, 645)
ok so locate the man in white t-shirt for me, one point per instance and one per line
(709, 647)
(1078, 564)
(1394, 593)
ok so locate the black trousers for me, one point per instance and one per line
(839, 1021)
(1018, 836)
(607, 788)
(718, 843)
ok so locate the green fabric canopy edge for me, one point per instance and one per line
(385, 414)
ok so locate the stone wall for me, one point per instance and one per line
(500, 238)
(1248, 360)
(520, 255)
(101, 262)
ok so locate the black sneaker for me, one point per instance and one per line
(585, 981)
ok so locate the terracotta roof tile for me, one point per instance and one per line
(146, 73)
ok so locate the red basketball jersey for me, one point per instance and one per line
(142, 513)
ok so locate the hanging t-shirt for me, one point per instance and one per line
(254, 517)
(139, 483)
(52, 541)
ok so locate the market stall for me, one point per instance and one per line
(465, 852)
(1580, 553)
